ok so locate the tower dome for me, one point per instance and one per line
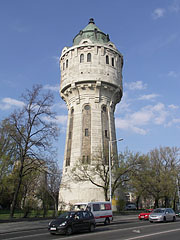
(91, 32)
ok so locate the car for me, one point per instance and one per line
(162, 215)
(177, 213)
(145, 215)
(130, 207)
(72, 221)
(102, 211)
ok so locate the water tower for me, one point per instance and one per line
(91, 86)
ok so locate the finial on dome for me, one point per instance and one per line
(91, 20)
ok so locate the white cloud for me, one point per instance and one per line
(52, 88)
(127, 125)
(172, 106)
(148, 97)
(59, 119)
(172, 74)
(137, 121)
(60, 105)
(124, 105)
(158, 13)
(7, 103)
(173, 121)
(138, 85)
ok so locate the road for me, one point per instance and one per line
(121, 229)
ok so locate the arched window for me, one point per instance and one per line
(67, 63)
(81, 58)
(86, 107)
(107, 59)
(89, 57)
(113, 62)
(104, 108)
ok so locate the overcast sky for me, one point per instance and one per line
(147, 33)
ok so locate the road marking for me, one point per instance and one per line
(152, 234)
(116, 230)
(34, 235)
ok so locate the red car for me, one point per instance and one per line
(145, 214)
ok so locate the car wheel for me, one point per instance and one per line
(151, 221)
(164, 219)
(92, 227)
(107, 221)
(69, 231)
(52, 233)
(174, 219)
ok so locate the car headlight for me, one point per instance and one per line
(63, 224)
(160, 216)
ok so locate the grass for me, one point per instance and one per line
(5, 214)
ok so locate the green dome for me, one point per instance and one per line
(91, 32)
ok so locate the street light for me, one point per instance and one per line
(110, 175)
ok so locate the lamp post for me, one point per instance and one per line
(110, 174)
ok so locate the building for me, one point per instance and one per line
(91, 86)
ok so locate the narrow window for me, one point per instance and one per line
(67, 161)
(81, 58)
(67, 63)
(83, 159)
(89, 57)
(113, 62)
(86, 132)
(63, 66)
(104, 108)
(107, 59)
(70, 134)
(106, 133)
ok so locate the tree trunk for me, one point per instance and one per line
(13, 205)
(156, 203)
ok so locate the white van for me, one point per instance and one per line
(102, 211)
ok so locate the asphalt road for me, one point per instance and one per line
(121, 229)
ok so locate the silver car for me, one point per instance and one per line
(162, 215)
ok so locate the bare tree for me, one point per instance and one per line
(98, 171)
(54, 175)
(32, 133)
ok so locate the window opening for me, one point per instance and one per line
(67, 162)
(89, 57)
(113, 62)
(87, 107)
(86, 132)
(106, 133)
(67, 63)
(107, 59)
(81, 58)
(104, 108)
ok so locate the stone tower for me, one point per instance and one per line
(91, 86)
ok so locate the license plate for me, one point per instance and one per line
(53, 228)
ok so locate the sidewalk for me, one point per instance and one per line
(9, 227)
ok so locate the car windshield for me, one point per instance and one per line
(66, 215)
(159, 210)
(148, 210)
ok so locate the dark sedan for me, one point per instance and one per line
(73, 221)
